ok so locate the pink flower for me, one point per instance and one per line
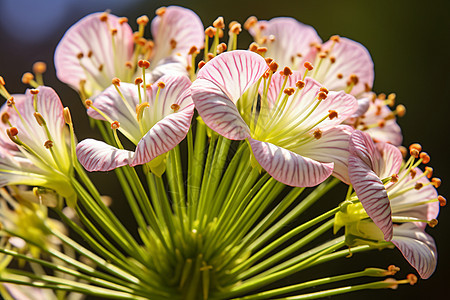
(102, 46)
(340, 64)
(155, 121)
(33, 142)
(387, 190)
(293, 130)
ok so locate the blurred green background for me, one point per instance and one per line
(408, 41)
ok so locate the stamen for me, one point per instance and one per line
(322, 96)
(250, 22)
(436, 182)
(261, 51)
(428, 172)
(418, 186)
(402, 150)
(114, 126)
(414, 153)
(28, 78)
(201, 64)
(39, 119)
(161, 11)
(222, 47)
(219, 23)
(123, 20)
(393, 270)
(67, 116)
(308, 67)
(416, 146)
(424, 157)
(432, 223)
(142, 22)
(104, 17)
(317, 133)
(273, 66)
(442, 200)
(394, 178)
(5, 118)
(140, 110)
(300, 84)
(400, 110)
(333, 114)
(253, 47)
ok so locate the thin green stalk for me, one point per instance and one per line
(318, 192)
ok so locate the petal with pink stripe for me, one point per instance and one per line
(417, 247)
(368, 186)
(101, 61)
(288, 167)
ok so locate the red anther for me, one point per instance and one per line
(142, 20)
(129, 65)
(340, 76)
(416, 146)
(332, 59)
(175, 107)
(324, 89)
(322, 96)
(27, 77)
(300, 84)
(236, 28)
(308, 65)
(436, 182)
(335, 38)
(287, 71)
(219, 23)
(266, 74)
(354, 79)
(138, 80)
(161, 11)
(104, 17)
(34, 91)
(2, 81)
(201, 64)
(193, 50)
(393, 269)
(48, 144)
(289, 91)
(88, 103)
(115, 81)
(418, 186)
(251, 21)
(317, 133)
(261, 50)
(412, 279)
(367, 87)
(115, 125)
(5, 117)
(13, 131)
(145, 64)
(210, 31)
(394, 178)
(429, 171)
(442, 200)
(333, 113)
(210, 56)
(113, 31)
(80, 55)
(161, 85)
(425, 157)
(381, 123)
(39, 67)
(253, 47)
(414, 152)
(273, 66)
(173, 44)
(432, 223)
(123, 20)
(400, 110)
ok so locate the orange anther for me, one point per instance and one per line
(39, 118)
(34, 91)
(412, 279)
(413, 173)
(253, 47)
(145, 64)
(39, 67)
(436, 182)
(367, 87)
(236, 28)
(425, 157)
(5, 117)
(432, 223)
(80, 55)
(322, 96)
(201, 64)
(400, 110)
(193, 50)
(317, 133)
(416, 146)
(113, 31)
(354, 79)
(161, 85)
(138, 80)
(67, 116)
(335, 38)
(308, 66)
(414, 152)
(393, 269)
(261, 50)
(115, 81)
(123, 20)
(48, 144)
(251, 21)
(394, 178)
(27, 77)
(2, 81)
(340, 76)
(289, 91)
(332, 59)
(219, 23)
(418, 186)
(273, 66)
(300, 84)
(324, 89)
(142, 20)
(115, 125)
(161, 11)
(287, 71)
(13, 131)
(104, 17)
(429, 171)
(210, 31)
(175, 107)
(10, 102)
(88, 103)
(442, 200)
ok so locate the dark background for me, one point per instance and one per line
(408, 41)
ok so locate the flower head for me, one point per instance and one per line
(293, 130)
(155, 119)
(33, 139)
(102, 46)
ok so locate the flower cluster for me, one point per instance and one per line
(290, 113)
